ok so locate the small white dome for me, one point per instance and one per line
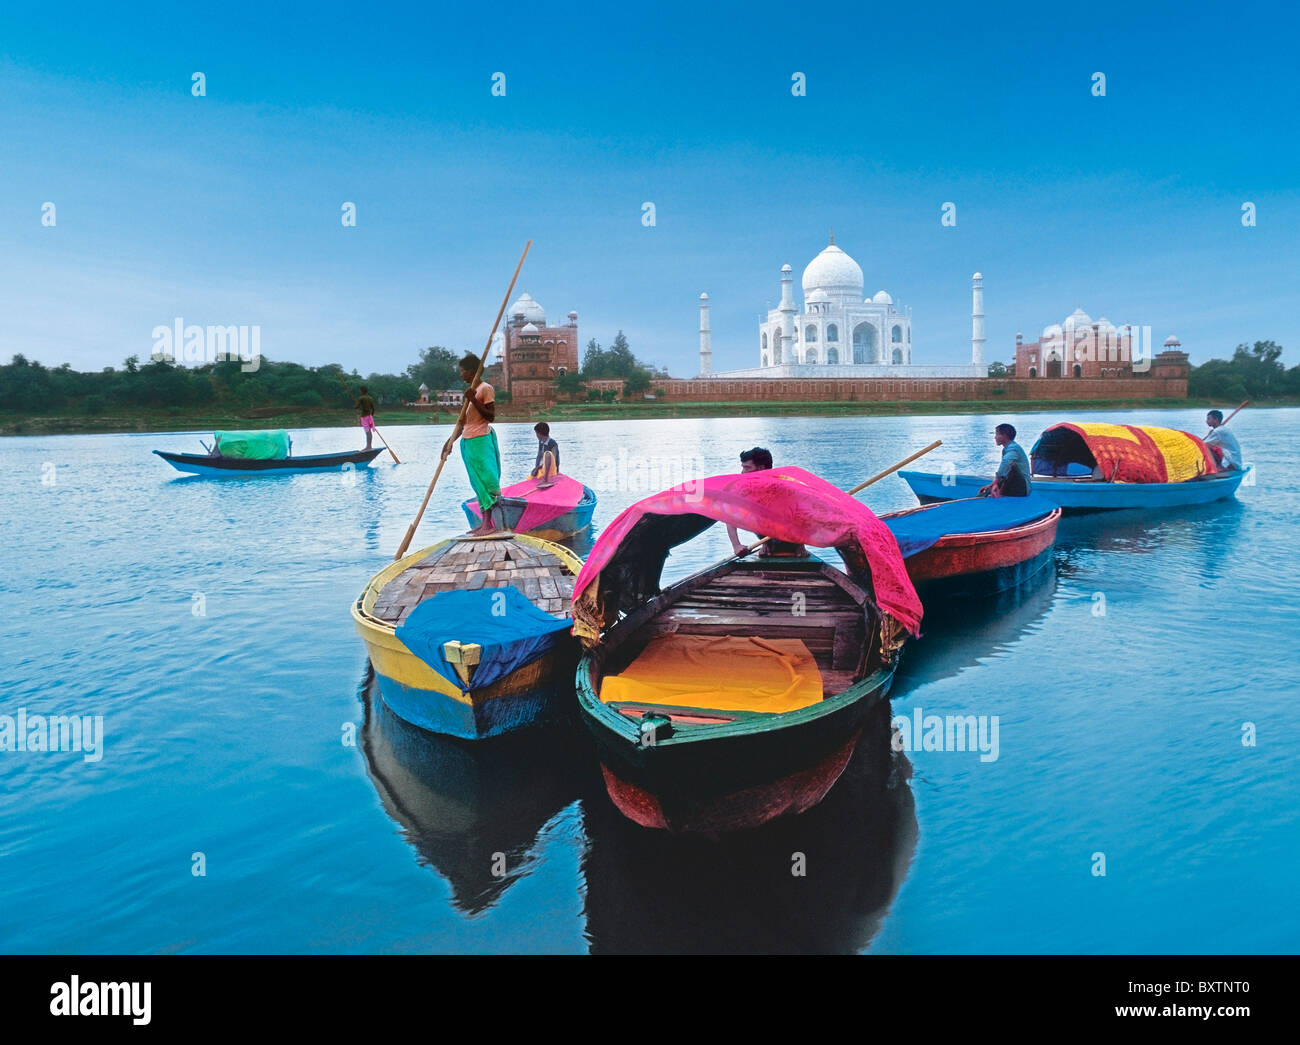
(818, 297)
(528, 328)
(1078, 318)
(882, 298)
(703, 297)
(529, 309)
(1172, 342)
(978, 275)
(833, 270)
(1105, 326)
(786, 268)
(1052, 332)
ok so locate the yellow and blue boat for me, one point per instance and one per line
(472, 637)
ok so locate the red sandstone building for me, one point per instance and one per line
(1080, 349)
(533, 354)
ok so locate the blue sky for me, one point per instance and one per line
(225, 209)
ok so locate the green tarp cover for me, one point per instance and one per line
(255, 446)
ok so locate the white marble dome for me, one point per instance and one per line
(528, 328)
(882, 298)
(1172, 342)
(1078, 318)
(529, 309)
(833, 271)
(818, 296)
(1105, 326)
(1052, 332)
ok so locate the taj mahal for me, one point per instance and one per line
(839, 332)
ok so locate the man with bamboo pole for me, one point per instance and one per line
(478, 443)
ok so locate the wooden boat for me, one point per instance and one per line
(1086, 495)
(203, 464)
(739, 694)
(553, 513)
(972, 561)
(463, 679)
(1127, 466)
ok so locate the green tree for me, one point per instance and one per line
(997, 369)
(637, 383)
(436, 368)
(593, 362)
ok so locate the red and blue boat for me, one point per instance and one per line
(1097, 466)
(975, 546)
(739, 694)
(554, 510)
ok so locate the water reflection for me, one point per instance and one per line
(1198, 536)
(461, 803)
(652, 892)
(958, 633)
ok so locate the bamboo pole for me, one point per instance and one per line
(464, 408)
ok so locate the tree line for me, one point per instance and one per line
(29, 387)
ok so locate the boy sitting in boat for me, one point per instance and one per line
(1012, 478)
(759, 459)
(548, 457)
(478, 443)
(1222, 443)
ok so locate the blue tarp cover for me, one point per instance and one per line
(512, 631)
(920, 530)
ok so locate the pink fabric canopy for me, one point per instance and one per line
(787, 503)
(543, 505)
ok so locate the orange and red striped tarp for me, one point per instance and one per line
(1143, 453)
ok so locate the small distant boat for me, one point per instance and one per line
(471, 637)
(1125, 466)
(554, 513)
(202, 464)
(979, 546)
(739, 694)
(261, 453)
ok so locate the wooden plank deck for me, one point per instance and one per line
(476, 565)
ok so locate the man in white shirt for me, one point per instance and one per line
(1226, 442)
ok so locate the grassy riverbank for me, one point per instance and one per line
(193, 419)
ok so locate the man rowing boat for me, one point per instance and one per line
(759, 459)
(1229, 451)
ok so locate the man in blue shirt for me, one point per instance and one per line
(1012, 478)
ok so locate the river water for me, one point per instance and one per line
(251, 794)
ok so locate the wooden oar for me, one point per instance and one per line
(348, 389)
(1232, 415)
(464, 408)
(857, 489)
(901, 464)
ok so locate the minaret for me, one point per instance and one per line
(788, 309)
(977, 320)
(706, 348)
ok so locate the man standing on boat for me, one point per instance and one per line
(478, 444)
(1012, 478)
(366, 408)
(1226, 442)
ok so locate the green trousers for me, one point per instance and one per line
(482, 459)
